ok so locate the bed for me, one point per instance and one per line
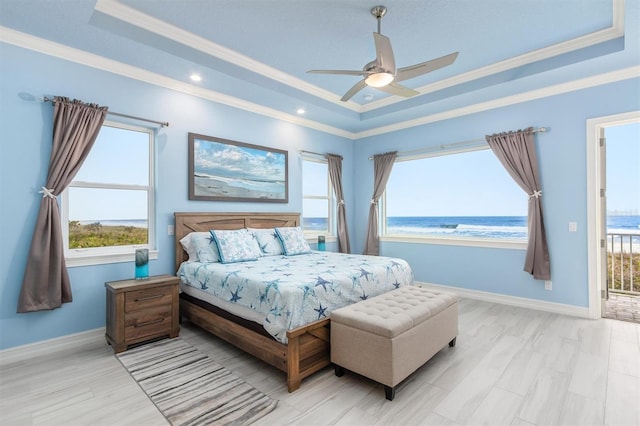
(276, 307)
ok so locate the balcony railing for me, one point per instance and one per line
(623, 263)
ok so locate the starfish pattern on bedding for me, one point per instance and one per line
(395, 264)
(321, 310)
(226, 279)
(276, 311)
(364, 273)
(272, 285)
(203, 284)
(322, 282)
(235, 295)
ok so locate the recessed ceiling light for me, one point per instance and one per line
(195, 77)
(368, 97)
(300, 111)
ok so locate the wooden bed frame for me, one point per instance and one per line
(308, 347)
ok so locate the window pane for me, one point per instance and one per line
(118, 156)
(467, 195)
(315, 178)
(315, 214)
(107, 217)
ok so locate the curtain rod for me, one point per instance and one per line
(302, 151)
(453, 145)
(161, 123)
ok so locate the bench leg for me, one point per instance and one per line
(453, 342)
(338, 370)
(389, 392)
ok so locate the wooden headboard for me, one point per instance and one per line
(205, 221)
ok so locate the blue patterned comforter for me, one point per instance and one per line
(291, 291)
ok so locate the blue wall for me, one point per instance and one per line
(562, 158)
(26, 144)
(25, 134)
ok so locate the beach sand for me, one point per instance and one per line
(210, 187)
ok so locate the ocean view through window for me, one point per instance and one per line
(107, 209)
(317, 198)
(458, 194)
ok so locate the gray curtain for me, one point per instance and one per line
(335, 173)
(517, 153)
(46, 281)
(382, 165)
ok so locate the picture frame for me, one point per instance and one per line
(227, 170)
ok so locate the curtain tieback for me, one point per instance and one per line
(47, 193)
(341, 203)
(536, 194)
(373, 201)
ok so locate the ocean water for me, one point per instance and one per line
(476, 226)
(276, 187)
(136, 223)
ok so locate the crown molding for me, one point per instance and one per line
(558, 89)
(50, 48)
(136, 18)
(57, 50)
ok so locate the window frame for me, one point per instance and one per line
(331, 204)
(442, 150)
(113, 254)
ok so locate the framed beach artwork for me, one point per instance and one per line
(225, 170)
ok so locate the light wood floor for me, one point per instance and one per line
(511, 366)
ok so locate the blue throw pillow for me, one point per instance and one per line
(236, 245)
(267, 240)
(293, 241)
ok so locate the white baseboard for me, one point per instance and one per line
(522, 302)
(32, 350)
(96, 336)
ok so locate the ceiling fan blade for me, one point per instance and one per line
(342, 72)
(394, 88)
(384, 53)
(412, 71)
(355, 89)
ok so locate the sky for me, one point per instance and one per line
(467, 184)
(238, 162)
(106, 164)
(623, 168)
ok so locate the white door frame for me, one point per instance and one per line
(594, 216)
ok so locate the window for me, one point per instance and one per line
(317, 198)
(456, 195)
(107, 210)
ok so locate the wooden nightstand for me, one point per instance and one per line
(140, 310)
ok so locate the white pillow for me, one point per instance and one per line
(268, 241)
(205, 247)
(293, 241)
(189, 248)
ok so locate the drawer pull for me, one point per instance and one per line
(155, 296)
(142, 324)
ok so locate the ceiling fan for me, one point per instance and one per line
(381, 73)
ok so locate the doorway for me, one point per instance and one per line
(613, 181)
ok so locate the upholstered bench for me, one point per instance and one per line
(388, 337)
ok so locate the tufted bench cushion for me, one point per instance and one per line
(391, 314)
(388, 337)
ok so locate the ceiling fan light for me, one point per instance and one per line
(379, 79)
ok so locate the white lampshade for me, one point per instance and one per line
(379, 79)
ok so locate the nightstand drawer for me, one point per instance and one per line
(140, 310)
(141, 299)
(149, 322)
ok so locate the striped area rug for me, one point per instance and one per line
(191, 389)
